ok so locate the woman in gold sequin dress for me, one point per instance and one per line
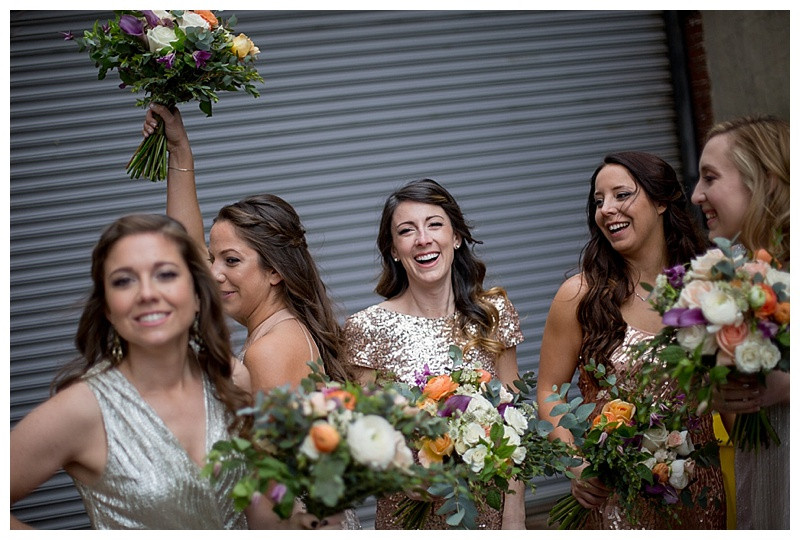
(743, 191)
(639, 224)
(433, 285)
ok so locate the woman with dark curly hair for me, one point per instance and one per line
(639, 224)
(433, 285)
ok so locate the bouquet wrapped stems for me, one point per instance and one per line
(568, 513)
(751, 431)
(150, 159)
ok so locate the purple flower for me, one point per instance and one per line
(768, 329)
(655, 419)
(68, 35)
(675, 275)
(200, 58)
(277, 492)
(665, 491)
(152, 19)
(167, 60)
(602, 439)
(131, 25)
(453, 404)
(502, 408)
(106, 27)
(421, 377)
(682, 317)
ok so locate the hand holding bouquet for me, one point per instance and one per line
(640, 447)
(728, 312)
(174, 57)
(493, 437)
(330, 445)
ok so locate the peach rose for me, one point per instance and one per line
(434, 451)
(439, 387)
(243, 45)
(781, 314)
(702, 265)
(622, 410)
(661, 473)
(207, 16)
(485, 376)
(344, 397)
(763, 255)
(693, 293)
(756, 267)
(325, 437)
(731, 335)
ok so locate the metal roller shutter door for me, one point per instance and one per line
(511, 110)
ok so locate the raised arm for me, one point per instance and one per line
(182, 203)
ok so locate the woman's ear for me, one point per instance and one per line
(274, 277)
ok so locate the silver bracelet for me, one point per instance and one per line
(180, 169)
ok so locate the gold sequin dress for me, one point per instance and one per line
(610, 516)
(406, 345)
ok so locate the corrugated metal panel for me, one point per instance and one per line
(510, 110)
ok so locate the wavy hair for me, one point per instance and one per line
(759, 148)
(95, 333)
(471, 300)
(606, 272)
(271, 227)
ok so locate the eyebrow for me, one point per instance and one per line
(410, 222)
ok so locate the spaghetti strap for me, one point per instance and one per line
(305, 331)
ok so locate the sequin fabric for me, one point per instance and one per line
(150, 482)
(611, 516)
(405, 346)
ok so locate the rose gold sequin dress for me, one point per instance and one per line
(610, 516)
(405, 345)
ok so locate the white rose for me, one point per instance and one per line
(678, 476)
(163, 14)
(649, 462)
(160, 37)
(372, 441)
(309, 448)
(505, 395)
(775, 276)
(756, 354)
(403, 458)
(686, 446)
(476, 458)
(519, 454)
(655, 438)
(701, 266)
(318, 405)
(692, 293)
(192, 19)
(516, 419)
(510, 434)
(720, 309)
(469, 435)
(691, 337)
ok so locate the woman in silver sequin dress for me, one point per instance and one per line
(433, 285)
(639, 223)
(743, 192)
(132, 419)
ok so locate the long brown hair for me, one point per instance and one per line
(606, 272)
(271, 227)
(94, 336)
(759, 148)
(468, 272)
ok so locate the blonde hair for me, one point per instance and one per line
(759, 148)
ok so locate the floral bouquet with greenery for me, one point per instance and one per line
(641, 448)
(330, 445)
(173, 57)
(493, 437)
(725, 311)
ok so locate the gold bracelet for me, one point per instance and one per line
(179, 169)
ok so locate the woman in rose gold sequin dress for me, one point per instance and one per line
(433, 285)
(639, 224)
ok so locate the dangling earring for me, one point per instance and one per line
(116, 347)
(195, 340)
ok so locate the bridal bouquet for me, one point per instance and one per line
(173, 57)
(726, 311)
(328, 444)
(492, 437)
(641, 448)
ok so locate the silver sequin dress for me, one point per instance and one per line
(150, 482)
(405, 345)
(708, 479)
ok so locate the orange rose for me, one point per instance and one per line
(661, 473)
(781, 314)
(439, 387)
(622, 410)
(325, 437)
(207, 16)
(762, 255)
(612, 424)
(485, 376)
(434, 451)
(344, 397)
(243, 45)
(769, 304)
(731, 335)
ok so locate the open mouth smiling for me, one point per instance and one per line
(426, 258)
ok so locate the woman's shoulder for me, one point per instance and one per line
(367, 316)
(572, 289)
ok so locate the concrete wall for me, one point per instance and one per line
(748, 62)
